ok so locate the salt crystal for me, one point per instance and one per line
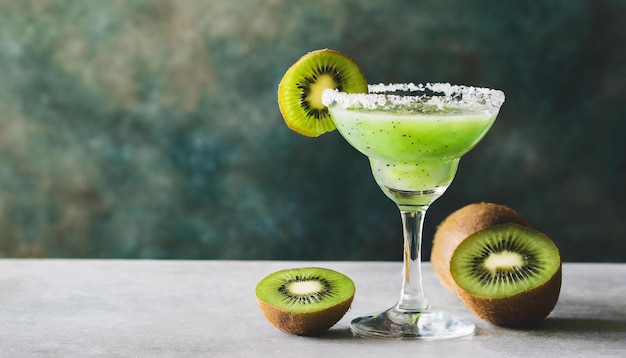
(382, 96)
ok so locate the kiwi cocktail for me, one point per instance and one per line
(414, 136)
(414, 143)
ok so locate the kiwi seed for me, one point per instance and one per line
(461, 224)
(508, 274)
(305, 301)
(300, 89)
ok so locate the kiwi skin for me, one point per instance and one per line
(516, 312)
(522, 310)
(461, 224)
(305, 324)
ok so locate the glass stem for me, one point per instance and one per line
(412, 297)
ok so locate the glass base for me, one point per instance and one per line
(425, 325)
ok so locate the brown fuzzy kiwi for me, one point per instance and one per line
(522, 310)
(509, 275)
(305, 301)
(461, 224)
(307, 324)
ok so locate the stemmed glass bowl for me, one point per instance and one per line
(414, 136)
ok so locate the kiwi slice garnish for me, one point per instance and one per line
(459, 225)
(300, 90)
(305, 301)
(508, 274)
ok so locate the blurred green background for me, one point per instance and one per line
(150, 129)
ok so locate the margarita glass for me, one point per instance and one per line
(414, 137)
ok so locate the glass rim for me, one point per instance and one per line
(406, 95)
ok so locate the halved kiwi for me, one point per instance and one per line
(508, 274)
(305, 301)
(300, 89)
(458, 226)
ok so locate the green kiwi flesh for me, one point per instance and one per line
(460, 224)
(300, 89)
(305, 301)
(508, 274)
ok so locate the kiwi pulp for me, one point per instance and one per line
(508, 274)
(300, 89)
(305, 301)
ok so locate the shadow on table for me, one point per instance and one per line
(338, 334)
(581, 325)
(553, 325)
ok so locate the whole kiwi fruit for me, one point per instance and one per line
(458, 226)
(305, 301)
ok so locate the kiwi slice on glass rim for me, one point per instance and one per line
(305, 301)
(509, 274)
(300, 89)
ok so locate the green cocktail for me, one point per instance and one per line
(415, 151)
(414, 136)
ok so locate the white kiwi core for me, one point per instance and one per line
(503, 260)
(304, 287)
(321, 83)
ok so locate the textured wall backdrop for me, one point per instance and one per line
(149, 129)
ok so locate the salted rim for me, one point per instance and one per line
(381, 96)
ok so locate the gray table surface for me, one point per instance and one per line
(134, 308)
